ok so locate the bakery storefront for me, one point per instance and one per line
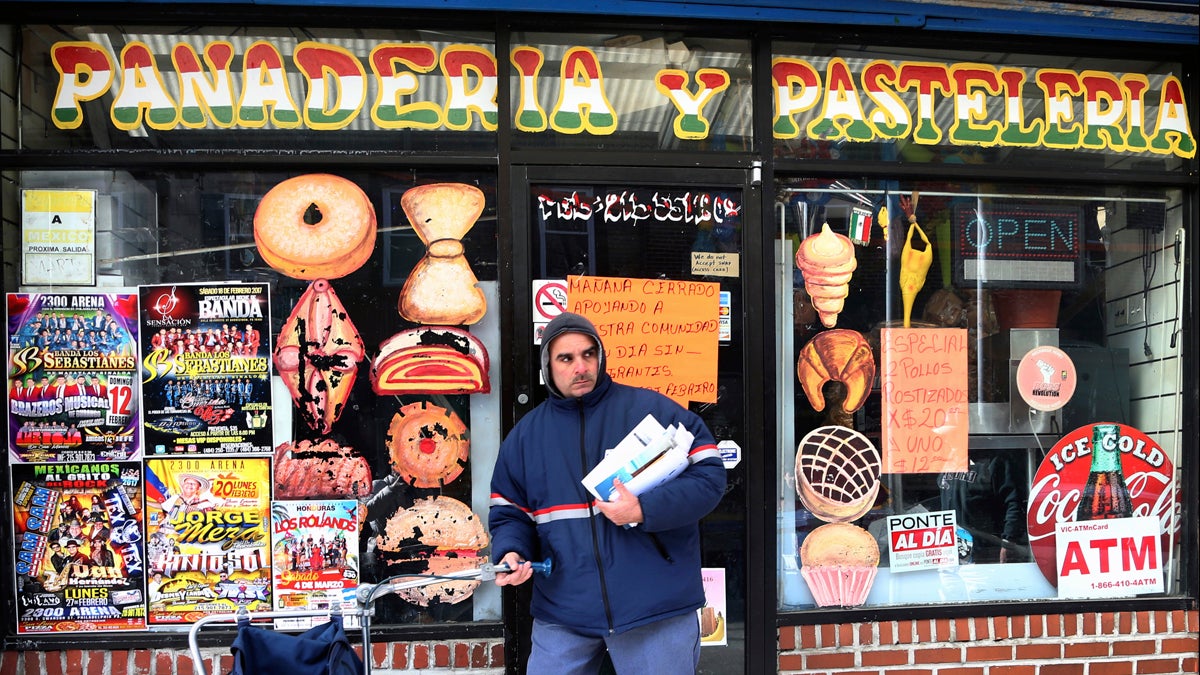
(275, 283)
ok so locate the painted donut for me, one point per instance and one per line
(428, 445)
(316, 226)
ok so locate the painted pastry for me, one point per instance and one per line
(827, 261)
(315, 226)
(428, 445)
(839, 562)
(431, 361)
(442, 289)
(317, 356)
(322, 470)
(837, 473)
(841, 355)
(436, 535)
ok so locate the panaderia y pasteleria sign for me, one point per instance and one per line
(283, 84)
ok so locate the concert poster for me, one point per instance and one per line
(78, 543)
(72, 371)
(206, 369)
(314, 547)
(208, 542)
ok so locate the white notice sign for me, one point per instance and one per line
(58, 237)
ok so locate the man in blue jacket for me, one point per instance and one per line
(626, 575)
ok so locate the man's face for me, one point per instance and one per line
(574, 364)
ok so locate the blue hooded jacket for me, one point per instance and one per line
(606, 578)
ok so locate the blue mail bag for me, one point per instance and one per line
(321, 650)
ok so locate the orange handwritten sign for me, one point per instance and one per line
(660, 334)
(924, 385)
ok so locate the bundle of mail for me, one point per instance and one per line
(647, 457)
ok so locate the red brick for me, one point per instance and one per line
(1144, 622)
(1018, 669)
(904, 632)
(1131, 647)
(1037, 626)
(808, 637)
(8, 663)
(1054, 626)
(33, 663)
(1110, 668)
(887, 633)
(226, 661)
(1181, 644)
(791, 662)
(884, 657)
(941, 630)
(74, 662)
(965, 670)
(497, 655)
(1017, 627)
(962, 630)
(823, 660)
(1108, 623)
(1157, 666)
(989, 653)
(924, 631)
(983, 629)
(1075, 650)
(787, 638)
(1000, 630)
(1190, 664)
(379, 654)
(183, 664)
(141, 661)
(420, 656)
(479, 655)
(462, 654)
(162, 663)
(845, 635)
(1041, 651)
(54, 662)
(866, 634)
(97, 664)
(937, 655)
(1063, 669)
(441, 654)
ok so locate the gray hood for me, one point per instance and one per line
(567, 323)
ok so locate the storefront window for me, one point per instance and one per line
(952, 359)
(219, 480)
(636, 91)
(921, 106)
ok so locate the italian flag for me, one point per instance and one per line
(860, 226)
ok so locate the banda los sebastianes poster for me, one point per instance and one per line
(206, 368)
(314, 547)
(78, 542)
(207, 543)
(72, 368)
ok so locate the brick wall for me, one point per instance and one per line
(483, 657)
(1119, 643)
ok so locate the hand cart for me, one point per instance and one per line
(366, 596)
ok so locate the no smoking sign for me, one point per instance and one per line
(549, 300)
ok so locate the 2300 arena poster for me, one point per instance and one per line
(78, 543)
(208, 536)
(206, 369)
(72, 365)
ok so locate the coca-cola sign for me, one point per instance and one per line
(1058, 486)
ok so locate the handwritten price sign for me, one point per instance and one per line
(924, 384)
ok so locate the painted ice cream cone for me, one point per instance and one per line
(827, 261)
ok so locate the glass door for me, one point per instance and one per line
(685, 229)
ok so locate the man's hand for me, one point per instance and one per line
(522, 570)
(624, 508)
